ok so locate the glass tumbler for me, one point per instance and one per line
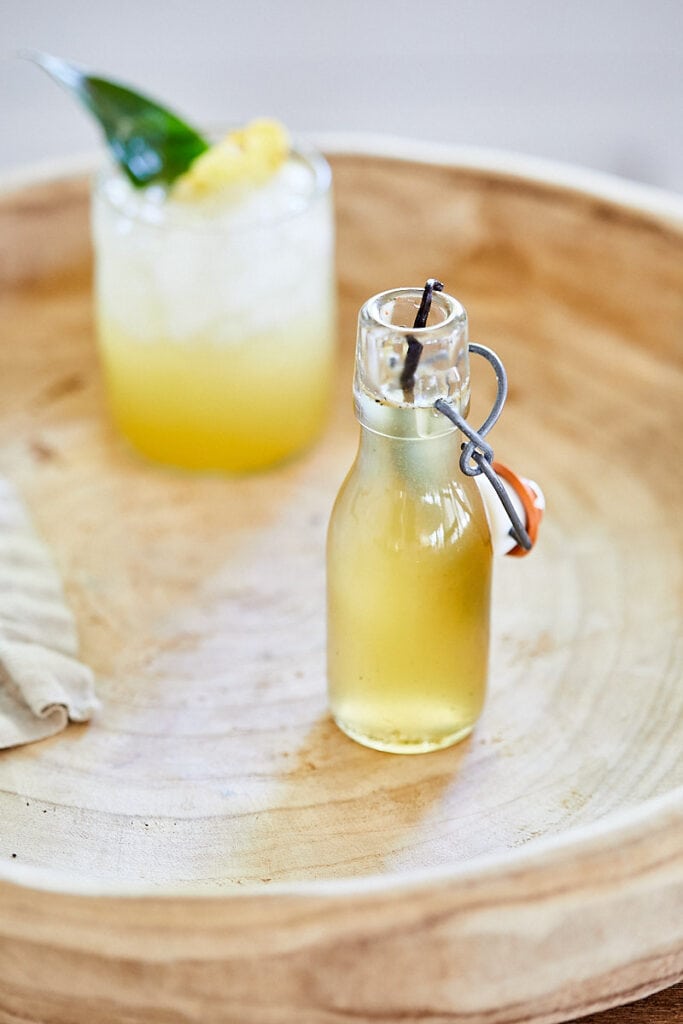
(216, 319)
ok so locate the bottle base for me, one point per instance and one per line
(400, 745)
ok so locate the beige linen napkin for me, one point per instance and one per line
(42, 684)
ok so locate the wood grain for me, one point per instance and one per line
(663, 1008)
(237, 858)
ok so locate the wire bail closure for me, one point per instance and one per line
(477, 455)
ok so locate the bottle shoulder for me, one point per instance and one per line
(399, 509)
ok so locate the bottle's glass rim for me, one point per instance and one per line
(453, 312)
(195, 220)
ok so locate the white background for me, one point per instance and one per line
(592, 82)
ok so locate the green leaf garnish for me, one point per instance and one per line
(149, 143)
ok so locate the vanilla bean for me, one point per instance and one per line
(412, 360)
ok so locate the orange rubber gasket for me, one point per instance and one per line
(527, 496)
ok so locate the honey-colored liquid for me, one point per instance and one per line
(409, 569)
(200, 404)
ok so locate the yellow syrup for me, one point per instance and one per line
(409, 575)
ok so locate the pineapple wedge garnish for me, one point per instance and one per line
(247, 156)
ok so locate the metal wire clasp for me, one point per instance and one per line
(477, 455)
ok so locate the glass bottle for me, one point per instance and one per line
(409, 550)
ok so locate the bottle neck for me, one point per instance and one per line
(401, 371)
(414, 448)
(409, 367)
(400, 422)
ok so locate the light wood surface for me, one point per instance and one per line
(211, 848)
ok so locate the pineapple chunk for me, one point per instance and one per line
(249, 155)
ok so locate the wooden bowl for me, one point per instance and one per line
(211, 848)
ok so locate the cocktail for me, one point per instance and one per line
(216, 313)
(214, 295)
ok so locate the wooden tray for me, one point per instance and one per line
(212, 849)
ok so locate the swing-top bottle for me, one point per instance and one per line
(409, 549)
